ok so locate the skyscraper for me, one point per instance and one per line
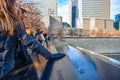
(117, 21)
(117, 17)
(93, 8)
(90, 12)
(69, 13)
(47, 7)
(73, 12)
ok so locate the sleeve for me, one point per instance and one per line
(31, 43)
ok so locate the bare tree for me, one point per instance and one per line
(33, 17)
(61, 33)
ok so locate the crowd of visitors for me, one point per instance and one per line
(13, 33)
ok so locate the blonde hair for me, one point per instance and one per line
(8, 16)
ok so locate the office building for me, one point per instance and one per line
(73, 12)
(49, 11)
(70, 13)
(117, 17)
(94, 14)
(117, 21)
(117, 25)
(47, 7)
(93, 8)
(53, 23)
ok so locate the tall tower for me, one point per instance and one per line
(88, 11)
(93, 8)
(73, 12)
(69, 12)
(47, 7)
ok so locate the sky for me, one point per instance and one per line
(115, 8)
(63, 9)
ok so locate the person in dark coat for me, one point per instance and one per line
(12, 30)
(46, 39)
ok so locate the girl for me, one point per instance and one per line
(12, 30)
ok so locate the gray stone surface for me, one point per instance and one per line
(99, 45)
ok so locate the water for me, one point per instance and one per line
(114, 56)
(90, 67)
(83, 64)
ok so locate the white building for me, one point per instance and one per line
(70, 13)
(49, 12)
(47, 7)
(93, 11)
(53, 21)
(93, 8)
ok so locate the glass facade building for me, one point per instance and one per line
(117, 21)
(117, 25)
(117, 17)
(73, 12)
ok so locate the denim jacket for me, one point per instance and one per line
(8, 45)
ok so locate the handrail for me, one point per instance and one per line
(105, 58)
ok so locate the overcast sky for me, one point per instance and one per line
(63, 9)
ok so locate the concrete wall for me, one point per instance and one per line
(100, 45)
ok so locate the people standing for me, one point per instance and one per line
(12, 29)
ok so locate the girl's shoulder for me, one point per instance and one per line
(1, 28)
